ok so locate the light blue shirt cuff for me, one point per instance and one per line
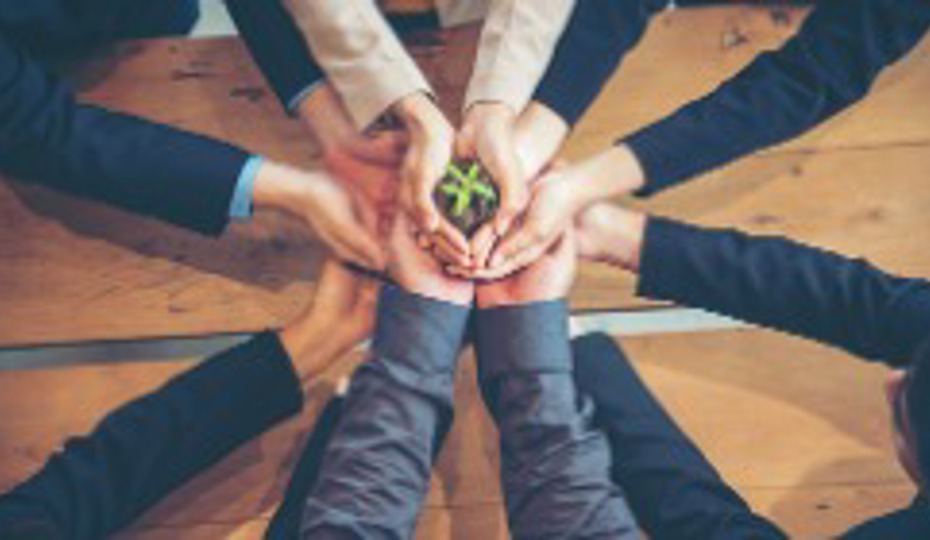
(241, 205)
(294, 104)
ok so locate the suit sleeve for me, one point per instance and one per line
(143, 450)
(141, 166)
(599, 35)
(829, 65)
(777, 283)
(360, 53)
(278, 48)
(555, 466)
(376, 468)
(517, 42)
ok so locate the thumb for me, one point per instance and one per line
(359, 245)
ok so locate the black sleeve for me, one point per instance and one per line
(143, 450)
(152, 169)
(598, 36)
(784, 285)
(277, 46)
(830, 64)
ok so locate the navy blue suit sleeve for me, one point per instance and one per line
(774, 282)
(830, 64)
(143, 450)
(376, 468)
(144, 167)
(277, 46)
(598, 36)
(555, 466)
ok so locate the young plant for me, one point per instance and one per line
(467, 196)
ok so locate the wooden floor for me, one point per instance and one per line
(799, 429)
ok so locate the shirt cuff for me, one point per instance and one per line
(421, 334)
(526, 338)
(293, 104)
(240, 207)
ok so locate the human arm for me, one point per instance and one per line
(770, 281)
(141, 451)
(827, 66)
(555, 467)
(399, 404)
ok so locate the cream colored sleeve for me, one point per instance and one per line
(517, 43)
(360, 53)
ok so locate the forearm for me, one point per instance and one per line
(141, 166)
(142, 451)
(361, 55)
(555, 468)
(394, 419)
(599, 35)
(774, 282)
(830, 64)
(278, 48)
(517, 42)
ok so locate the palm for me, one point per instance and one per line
(549, 278)
(416, 270)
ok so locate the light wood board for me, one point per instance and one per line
(66, 266)
(802, 430)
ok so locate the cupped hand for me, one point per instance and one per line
(527, 148)
(416, 270)
(549, 277)
(431, 139)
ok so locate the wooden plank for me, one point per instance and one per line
(813, 512)
(794, 425)
(688, 52)
(868, 203)
(67, 266)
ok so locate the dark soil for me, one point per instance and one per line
(482, 201)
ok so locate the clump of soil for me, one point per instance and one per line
(467, 196)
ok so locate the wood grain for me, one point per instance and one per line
(66, 266)
(801, 429)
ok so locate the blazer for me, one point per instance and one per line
(369, 67)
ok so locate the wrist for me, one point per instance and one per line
(613, 173)
(324, 115)
(284, 188)
(415, 109)
(620, 241)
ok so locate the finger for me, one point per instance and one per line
(511, 265)
(514, 200)
(520, 240)
(424, 241)
(447, 254)
(357, 245)
(465, 142)
(482, 243)
(453, 236)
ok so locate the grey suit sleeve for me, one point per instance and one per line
(375, 471)
(554, 464)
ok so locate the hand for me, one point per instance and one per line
(557, 198)
(325, 206)
(340, 316)
(550, 277)
(488, 134)
(417, 271)
(611, 234)
(538, 136)
(430, 152)
(363, 162)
